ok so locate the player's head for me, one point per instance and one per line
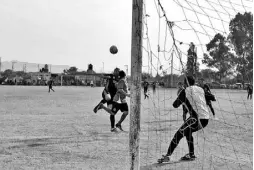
(189, 81)
(122, 74)
(201, 81)
(179, 84)
(116, 72)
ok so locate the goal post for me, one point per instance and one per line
(136, 70)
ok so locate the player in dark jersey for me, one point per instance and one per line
(110, 89)
(250, 91)
(154, 87)
(50, 84)
(208, 92)
(122, 93)
(146, 84)
(194, 98)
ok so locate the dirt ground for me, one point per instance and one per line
(41, 130)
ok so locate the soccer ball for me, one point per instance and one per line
(113, 49)
(108, 97)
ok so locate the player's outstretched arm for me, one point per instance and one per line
(179, 100)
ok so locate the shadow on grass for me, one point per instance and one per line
(159, 166)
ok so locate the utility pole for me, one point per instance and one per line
(171, 77)
(13, 63)
(0, 65)
(136, 70)
(102, 67)
(24, 68)
(126, 69)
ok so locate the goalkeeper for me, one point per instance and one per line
(194, 98)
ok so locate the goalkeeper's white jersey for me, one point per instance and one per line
(196, 98)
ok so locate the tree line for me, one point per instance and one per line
(231, 55)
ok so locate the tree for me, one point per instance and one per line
(219, 56)
(208, 74)
(71, 70)
(20, 73)
(192, 66)
(241, 36)
(145, 76)
(45, 69)
(7, 73)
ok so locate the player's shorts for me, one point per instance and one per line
(115, 107)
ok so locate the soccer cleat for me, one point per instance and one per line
(113, 130)
(98, 107)
(164, 158)
(119, 127)
(188, 157)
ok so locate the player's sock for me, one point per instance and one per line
(96, 107)
(112, 121)
(122, 119)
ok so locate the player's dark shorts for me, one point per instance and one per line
(119, 106)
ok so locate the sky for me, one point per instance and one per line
(78, 32)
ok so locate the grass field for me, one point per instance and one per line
(40, 130)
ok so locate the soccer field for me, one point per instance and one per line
(41, 130)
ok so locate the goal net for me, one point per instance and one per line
(170, 29)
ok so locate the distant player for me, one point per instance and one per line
(249, 91)
(122, 93)
(50, 84)
(146, 84)
(110, 88)
(91, 83)
(154, 87)
(207, 93)
(194, 98)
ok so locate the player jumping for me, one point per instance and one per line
(110, 89)
(194, 98)
(122, 93)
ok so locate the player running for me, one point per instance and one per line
(250, 91)
(154, 87)
(146, 84)
(194, 98)
(50, 84)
